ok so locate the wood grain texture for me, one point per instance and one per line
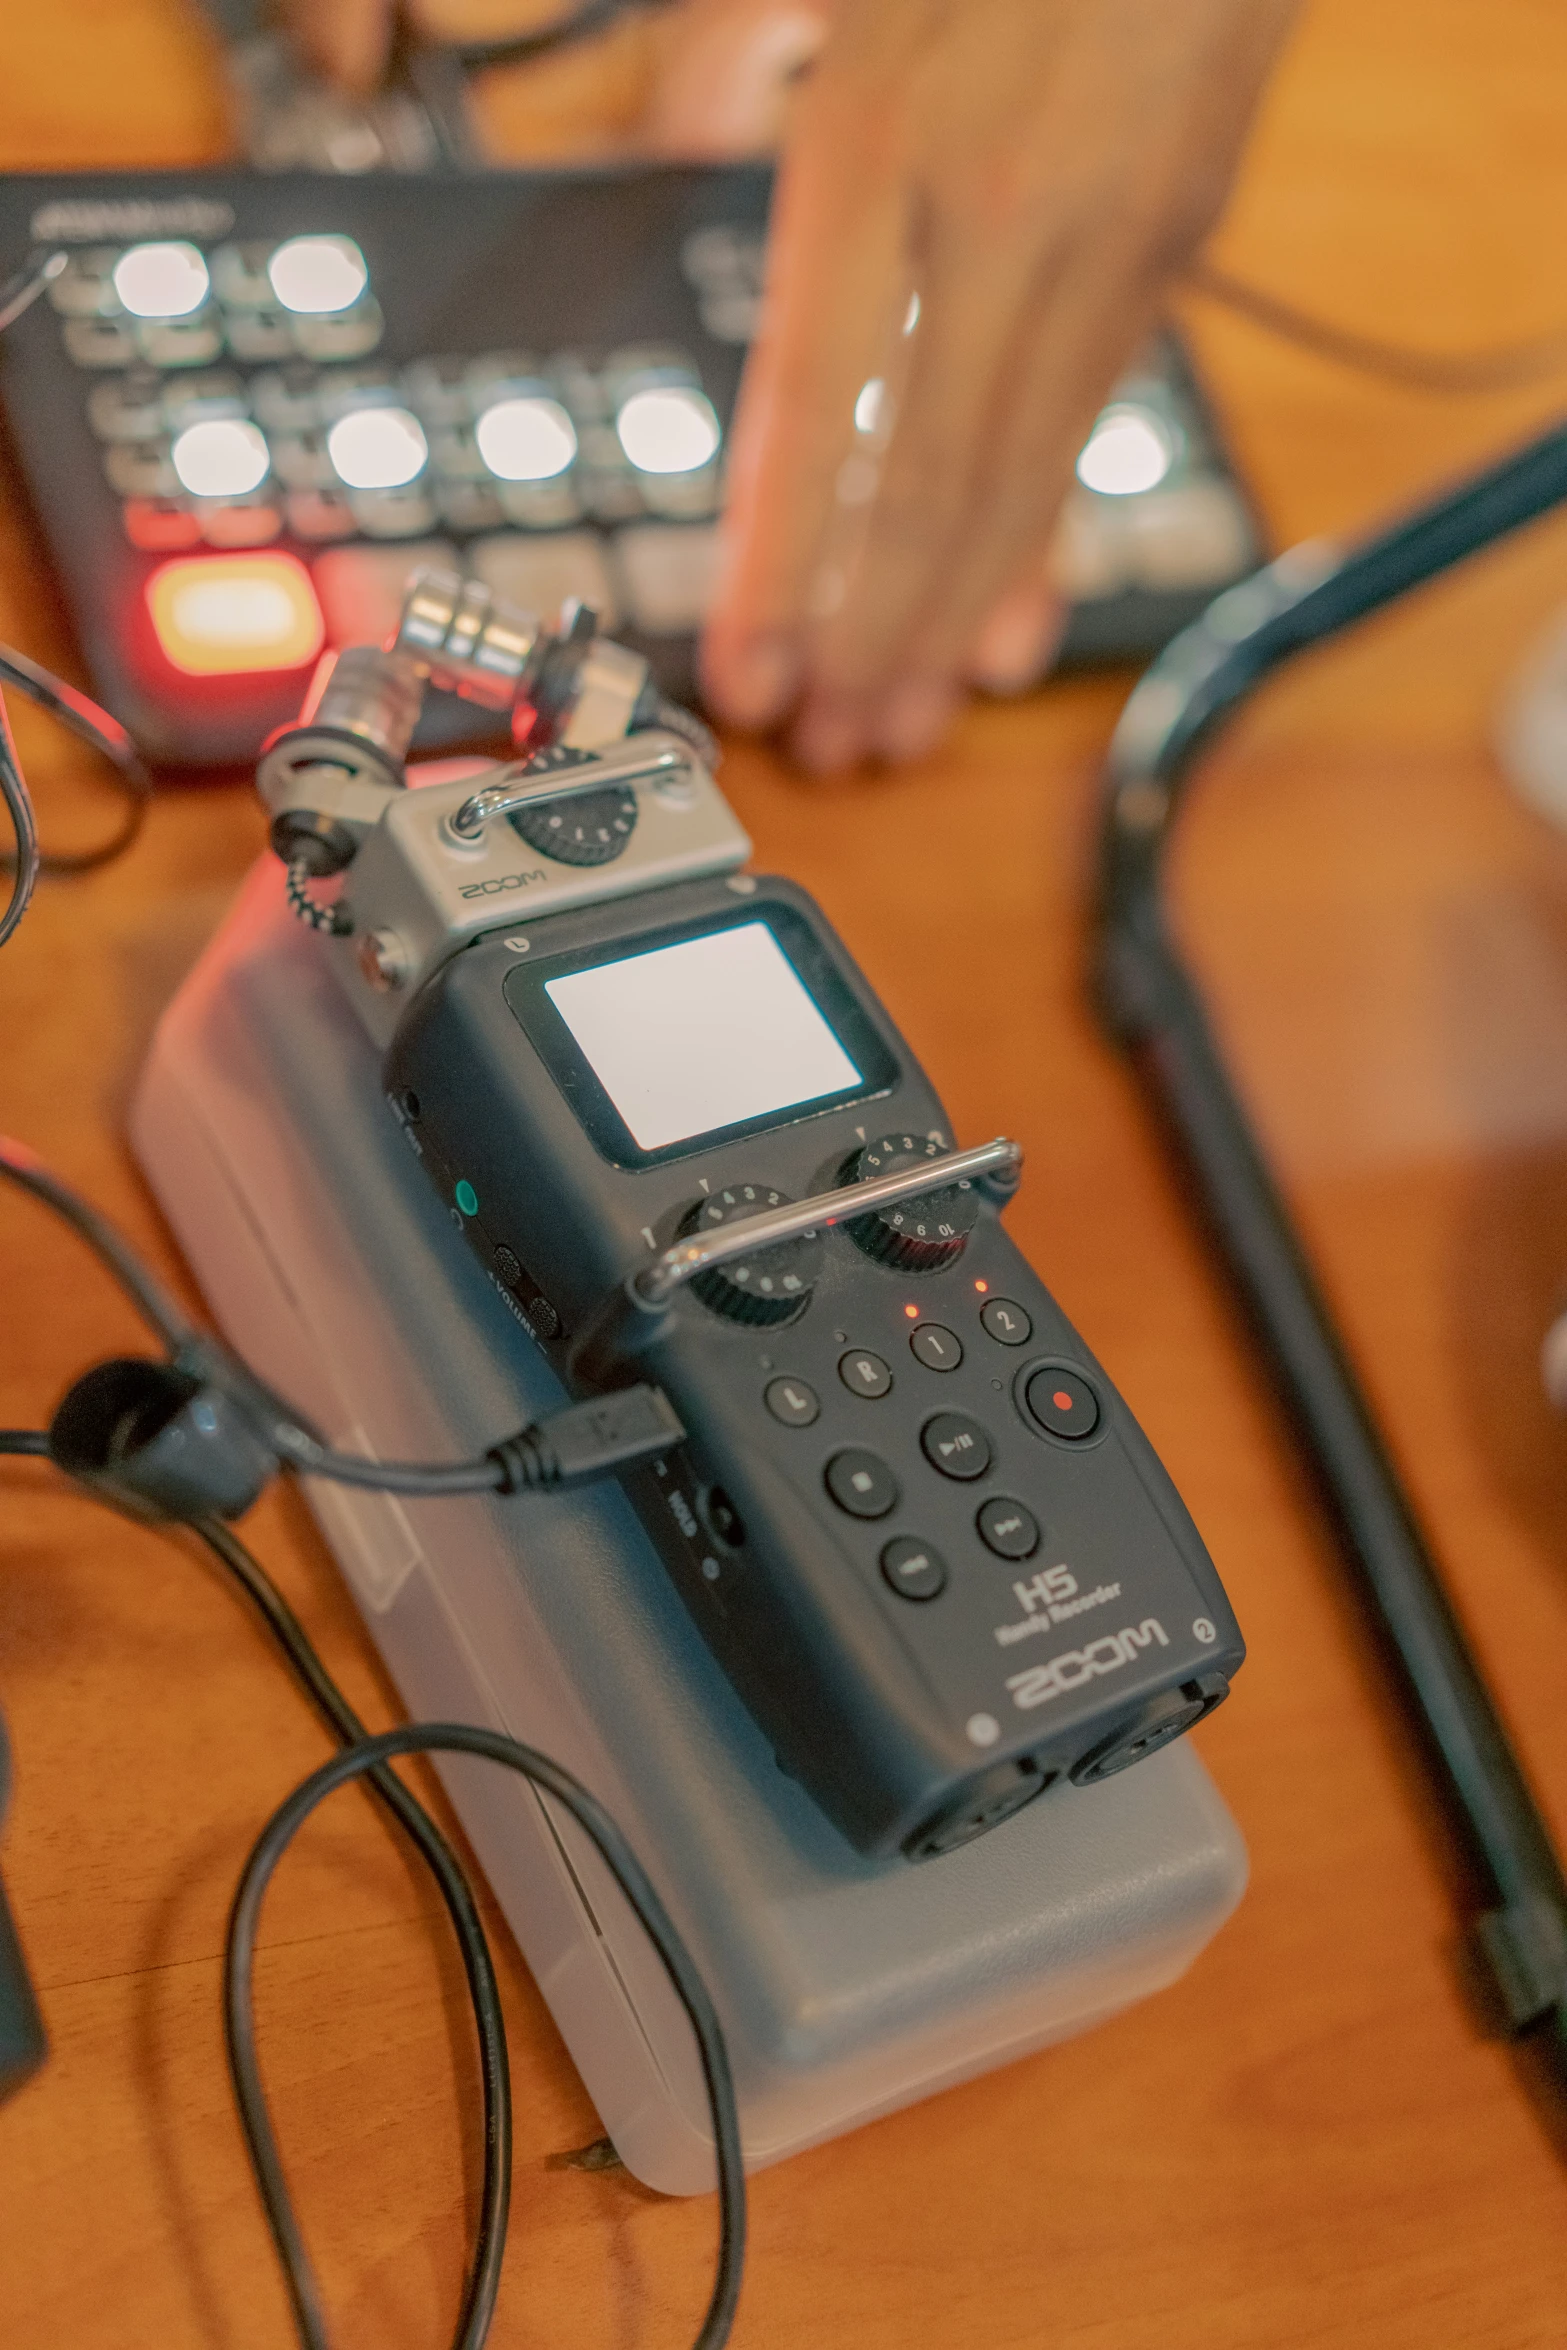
(1304, 2143)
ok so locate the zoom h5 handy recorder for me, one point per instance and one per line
(917, 1527)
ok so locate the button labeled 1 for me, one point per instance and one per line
(938, 1348)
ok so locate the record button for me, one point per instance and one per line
(914, 1569)
(1063, 1403)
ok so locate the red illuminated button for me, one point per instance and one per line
(1063, 1403)
(231, 615)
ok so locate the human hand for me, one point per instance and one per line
(1036, 171)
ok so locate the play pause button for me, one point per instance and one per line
(956, 1445)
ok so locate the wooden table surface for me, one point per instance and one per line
(1306, 2142)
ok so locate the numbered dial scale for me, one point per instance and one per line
(918, 1527)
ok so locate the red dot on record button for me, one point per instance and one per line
(1063, 1403)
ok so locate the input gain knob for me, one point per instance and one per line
(924, 1232)
(584, 828)
(770, 1285)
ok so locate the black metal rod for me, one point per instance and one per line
(1149, 1001)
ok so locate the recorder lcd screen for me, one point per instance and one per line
(709, 1033)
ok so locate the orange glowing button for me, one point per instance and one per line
(228, 615)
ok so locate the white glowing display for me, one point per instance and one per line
(668, 429)
(241, 615)
(526, 439)
(1128, 451)
(702, 1035)
(318, 274)
(225, 457)
(867, 408)
(161, 281)
(377, 448)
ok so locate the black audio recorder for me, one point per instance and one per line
(914, 1521)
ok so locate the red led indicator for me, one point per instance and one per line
(913, 1313)
(1061, 1400)
(982, 1286)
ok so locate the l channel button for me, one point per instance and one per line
(914, 1569)
(792, 1402)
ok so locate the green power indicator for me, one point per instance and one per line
(467, 1198)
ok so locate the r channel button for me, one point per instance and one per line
(914, 1569)
(792, 1402)
(864, 1374)
(1063, 1403)
(861, 1483)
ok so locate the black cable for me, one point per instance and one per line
(93, 725)
(1150, 1002)
(23, 1167)
(482, 2283)
(461, 1738)
(1504, 367)
(581, 24)
(19, 807)
(576, 1445)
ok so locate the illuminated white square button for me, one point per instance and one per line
(540, 573)
(669, 573)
